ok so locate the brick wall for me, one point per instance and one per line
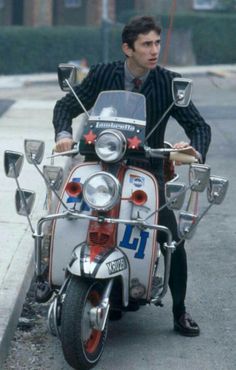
(94, 11)
(5, 14)
(38, 13)
(53, 12)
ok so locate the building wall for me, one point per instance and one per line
(94, 11)
(63, 15)
(34, 12)
(164, 6)
(38, 12)
(53, 12)
(5, 13)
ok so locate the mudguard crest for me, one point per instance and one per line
(107, 264)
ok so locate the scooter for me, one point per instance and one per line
(104, 255)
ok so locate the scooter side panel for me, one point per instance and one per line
(67, 234)
(139, 245)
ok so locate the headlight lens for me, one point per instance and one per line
(110, 145)
(101, 191)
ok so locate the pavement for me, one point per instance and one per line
(22, 120)
(220, 70)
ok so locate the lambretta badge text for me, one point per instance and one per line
(116, 266)
(118, 126)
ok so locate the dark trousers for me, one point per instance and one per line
(178, 272)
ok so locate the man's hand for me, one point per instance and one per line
(63, 145)
(189, 151)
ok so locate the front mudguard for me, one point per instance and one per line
(107, 264)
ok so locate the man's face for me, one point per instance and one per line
(144, 56)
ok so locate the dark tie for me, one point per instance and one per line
(137, 84)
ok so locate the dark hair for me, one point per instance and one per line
(137, 26)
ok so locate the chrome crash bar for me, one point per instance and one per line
(69, 214)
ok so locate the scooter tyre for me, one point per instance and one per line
(82, 345)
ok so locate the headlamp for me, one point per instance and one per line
(101, 191)
(110, 145)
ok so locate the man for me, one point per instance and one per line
(140, 72)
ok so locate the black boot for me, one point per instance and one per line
(186, 326)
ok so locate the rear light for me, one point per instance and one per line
(139, 197)
(73, 189)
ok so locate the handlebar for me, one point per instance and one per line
(181, 157)
(172, 154)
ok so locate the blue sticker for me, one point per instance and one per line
(137, 181)
(137, 244)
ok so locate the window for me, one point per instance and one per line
(72, 3)
(205, 4)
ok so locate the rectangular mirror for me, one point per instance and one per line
(181, 91)
(34, 151)
(217, 189)
(175, 194)
(54, 176)
(13, 162)
(199, 175)
(186, 225)
(24, 201)
(67, 72)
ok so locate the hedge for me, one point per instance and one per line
(213, 35)
(29, 50)
(213, 39)
(32, 50)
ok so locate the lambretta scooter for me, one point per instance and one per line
(104, 257)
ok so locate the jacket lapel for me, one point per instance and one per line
(118, 81)
(148, 85)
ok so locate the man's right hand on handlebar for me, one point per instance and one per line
(63, 145)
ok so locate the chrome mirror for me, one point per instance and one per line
(181, 91)
(217, 189)
(24, 201)
(34, 151)
(67, 73)
(199, 175)
(175, 194)
(54, 175)
(186, 226)
(13, 162)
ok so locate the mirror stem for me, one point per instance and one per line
(76, 97)
(198, 219)
(172, 199)
(22, 197)
(49, 184)
(158, 123)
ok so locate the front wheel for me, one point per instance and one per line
(82, 345)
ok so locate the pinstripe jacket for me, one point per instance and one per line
(157, 90)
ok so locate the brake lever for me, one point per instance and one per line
(73, 151)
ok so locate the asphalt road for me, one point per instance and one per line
(145, 339)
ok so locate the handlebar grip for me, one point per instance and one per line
(181, 157)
